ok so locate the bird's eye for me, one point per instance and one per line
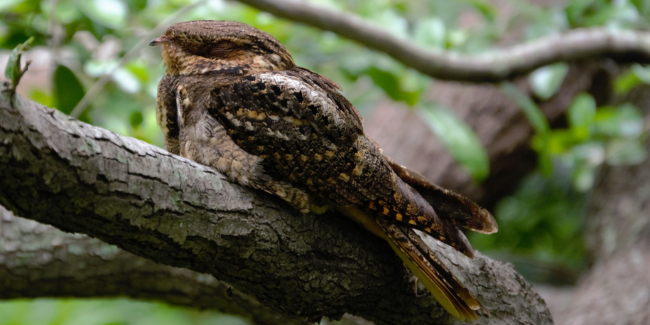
(217, 50)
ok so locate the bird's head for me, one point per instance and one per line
(211, 46)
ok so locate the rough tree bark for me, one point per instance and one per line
(38, 260)
(80, 178)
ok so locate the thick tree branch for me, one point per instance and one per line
(80, 178)
(494, 66)
(38, 260)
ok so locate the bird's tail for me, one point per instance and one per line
(443, 285)
(439, 281)
(459, 210)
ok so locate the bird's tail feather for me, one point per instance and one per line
(449, 205)
(443, 285)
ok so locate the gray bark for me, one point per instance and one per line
(38, 260)
(79, 178)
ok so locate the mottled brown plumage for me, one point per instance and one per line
(232, 98)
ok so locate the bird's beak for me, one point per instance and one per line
(159, 40)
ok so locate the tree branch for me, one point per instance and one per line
(80, 178)
(38, 260)
(497, 65)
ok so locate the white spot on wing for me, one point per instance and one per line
(179, 112)
(312, 95)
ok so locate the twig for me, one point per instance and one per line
(13, 71)
(497, 65)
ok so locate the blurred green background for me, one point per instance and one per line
(78, 42)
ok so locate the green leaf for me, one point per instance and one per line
(541, 140)
(13, 70)
(561, 140)
(583, 177)
(139, 69)
(643, 73)
(394, 86)
(126, 80)
(136, 5)
(42, 98)
(108, 13)
(461, 141)
(528, 107)
(136, 119)
(67, 91)
(431, 32)
(623, 121)
(626, 81)
(582, 111)
(392, 22)
(7, 5)
(386, 80)
(485, 8)
(546, 81)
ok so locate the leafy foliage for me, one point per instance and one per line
(67, 91)
(105, 312)
(540, 224)
(463, 144)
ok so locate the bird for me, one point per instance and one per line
(232, 98)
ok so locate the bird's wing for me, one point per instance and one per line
(305, 133)
(309, 135)
(452, 206)
(167, 113)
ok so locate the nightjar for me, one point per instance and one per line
(232, 98)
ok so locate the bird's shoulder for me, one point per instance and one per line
(299, 93)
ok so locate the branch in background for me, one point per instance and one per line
(496, 119)
(36, 259)
(497, 65)
(80, 178)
